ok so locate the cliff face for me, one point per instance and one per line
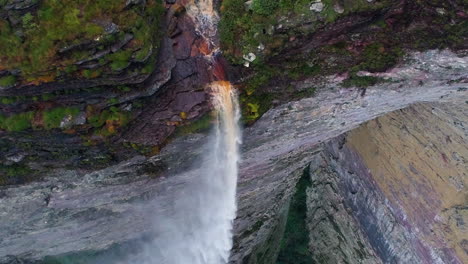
(120, 112)
(396, 183)
(302, 126)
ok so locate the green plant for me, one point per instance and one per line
(264, 7)
(18, 122)
(120, 59)
(113, 101)
(90, 74)
(7, 81)
(109, 120)
(124, 88)
(56, 24)
(378, 58)
(7, 100)
(14, 173)
(52, 118)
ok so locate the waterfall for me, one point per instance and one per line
(197, 228)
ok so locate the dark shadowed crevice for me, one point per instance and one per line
(294, 245)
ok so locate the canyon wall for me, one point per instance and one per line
(393, 190)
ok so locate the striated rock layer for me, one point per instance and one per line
(398, 184)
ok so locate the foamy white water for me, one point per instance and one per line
(197, 228)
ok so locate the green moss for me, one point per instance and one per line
(109, 120)
(47, 97)
(241, 31)
(264, 7)
(120, 59)
(148, 68)
(304, 70)
(113, 101)
(294, 245)
(254, 106)
(52, 118)
(90, 74)
(7, 81)
(59, 23)
(18, 122)
(378, 58)
(27, 20)
(124, 88)
(7, 100)
(143, 53)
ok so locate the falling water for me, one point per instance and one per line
(197, 227)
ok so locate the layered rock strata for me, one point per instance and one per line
(393, 190)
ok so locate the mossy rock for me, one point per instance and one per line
(54, 36)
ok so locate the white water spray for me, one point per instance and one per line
(197, 228)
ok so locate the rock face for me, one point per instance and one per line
(390, 185)
(132, 116)
(305, 124)
(85, 209)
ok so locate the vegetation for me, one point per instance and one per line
(7, 81)
(264, 7)
(14, 173)
(16, 122)
(377, 58)
(52, 118)
(255, 103)
(108, 121)
(33, 46)
(295, 242)
(243, 31)
(120, 59)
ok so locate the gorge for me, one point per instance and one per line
(354, 143)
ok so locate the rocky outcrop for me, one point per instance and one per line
(107, 114)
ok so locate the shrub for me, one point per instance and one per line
(28, 21)
(18, 122)
(52, 118)
(7, 81)
(120, 59)
(58, 23)
(377, 58)
(264, 7)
